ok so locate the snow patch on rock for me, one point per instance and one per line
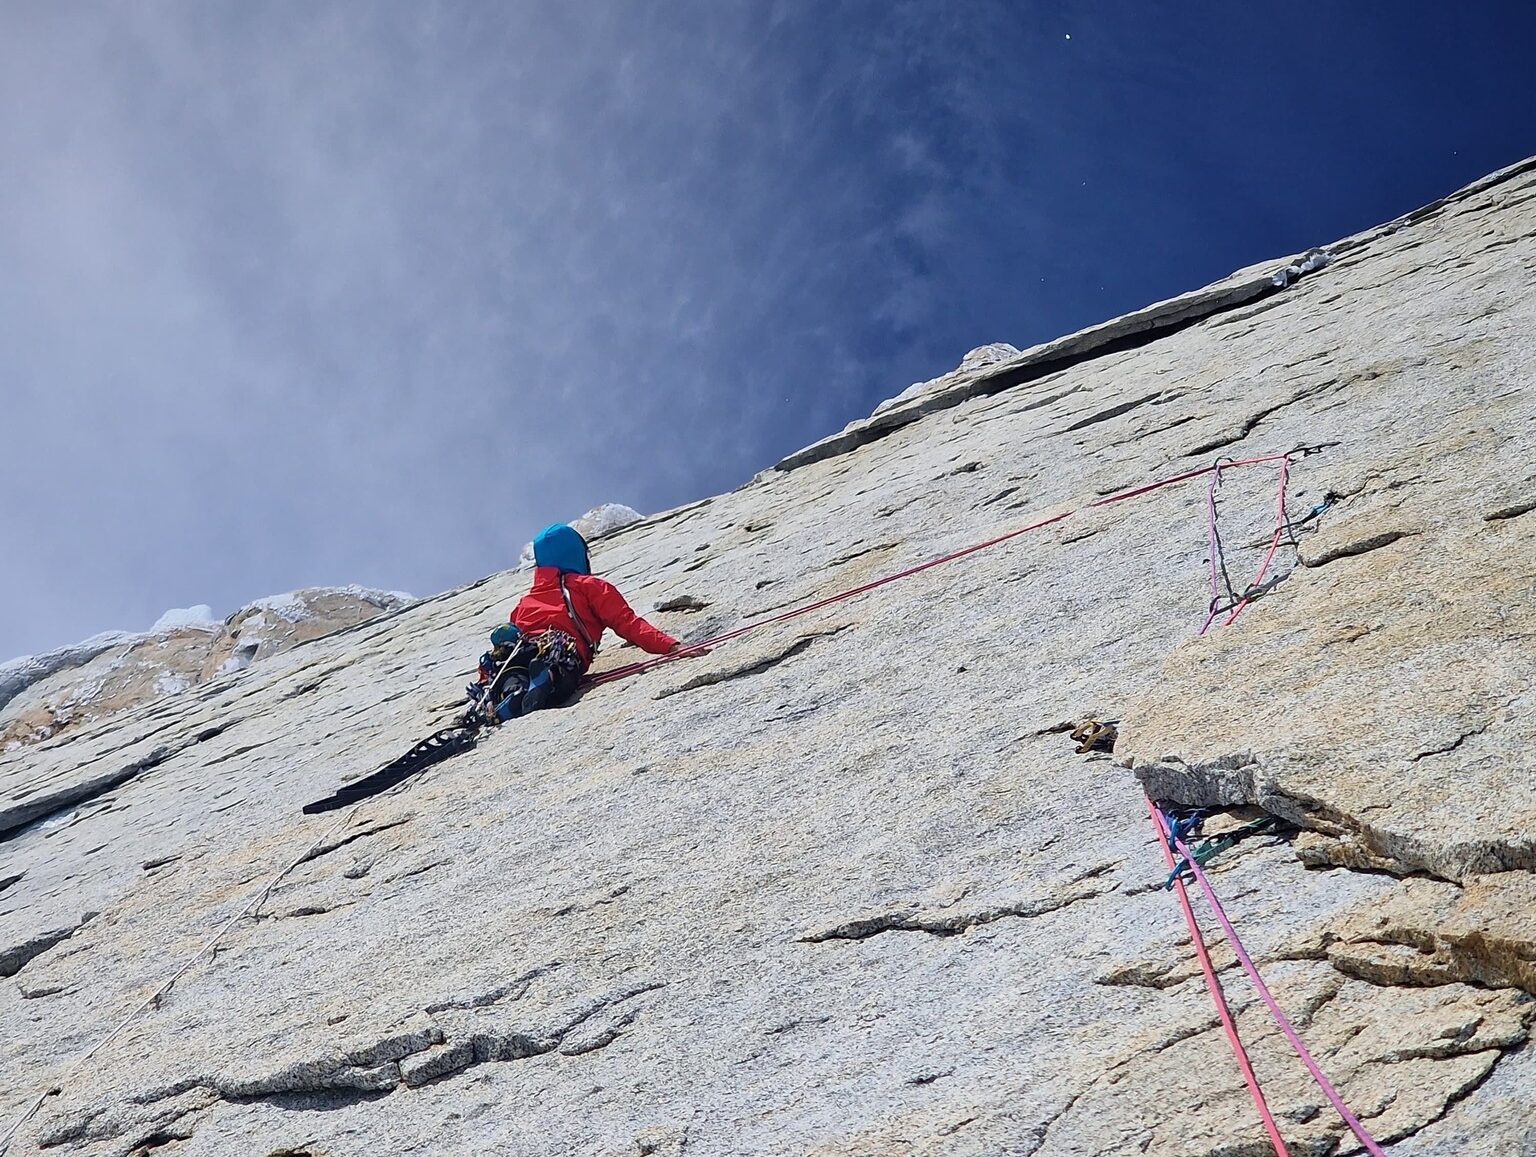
(109, 672)
(296, 606)
(171, 683)
(17, 675)
(199, 618)
(1309, 262)
(595, 523)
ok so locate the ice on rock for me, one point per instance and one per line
(199, 617)
(19, 674)
(107, 673)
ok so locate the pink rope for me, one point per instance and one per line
(1213, 544)
(694, 648)
(1274, 543)
(795, 612)
(1214, 986)
(1280, 1018)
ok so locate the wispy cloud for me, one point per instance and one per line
(336, 292)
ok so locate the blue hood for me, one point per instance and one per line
(561, 547)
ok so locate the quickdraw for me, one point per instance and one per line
(1211, 847)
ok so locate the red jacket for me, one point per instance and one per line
(597, 603)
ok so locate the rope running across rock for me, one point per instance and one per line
(1213, 986)
(1243, 958)
(1284, 459)
(842, 596)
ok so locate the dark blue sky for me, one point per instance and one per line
(323, 293)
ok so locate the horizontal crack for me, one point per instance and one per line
(755, 667)
(330, 846)
(1453, 745)
(950, 922)
(1512, 511)
(50, 803)
(1355, 547)
(18, 956)
(860, 553)
(42, 804)
(1112, 412)
(1251, 423)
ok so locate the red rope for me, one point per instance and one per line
(1165, 834)
(694, 648)
(1212, 983)
(1218, 998)
(1274, 544)
(1281, 1020)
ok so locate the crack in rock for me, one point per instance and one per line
(1252, 421)
(416, 870)
(1353, 547)
(863, 552)
(1237, 779)
(26, 807)
(19, 815)
(159, 1139)
(1431, 933)
(511, 990)
(480, 1039)
(952, 921)
(362, 1065)
(1138, 435)
(145, 1114)
(750, 667)
(330, 846)
(418, 1051)
(18, 956)
(37, 991)
(1453, 745)
(686, 603)
(1111, 412)
(1154, 974)
(1512, 511)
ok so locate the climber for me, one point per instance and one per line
(539, 658)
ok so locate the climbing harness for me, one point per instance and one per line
(452, 740)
